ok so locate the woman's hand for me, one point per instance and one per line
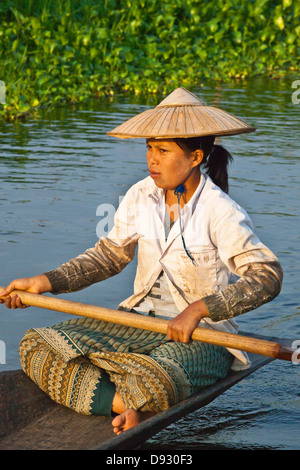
(37, 285)
(181, 327)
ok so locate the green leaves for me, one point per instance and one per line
(53, 51)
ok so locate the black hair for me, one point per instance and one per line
(215, 158)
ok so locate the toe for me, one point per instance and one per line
(118, 423)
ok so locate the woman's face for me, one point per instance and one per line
(169, 164)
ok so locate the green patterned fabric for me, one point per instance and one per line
(80, 363)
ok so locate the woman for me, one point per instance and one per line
(194, 242)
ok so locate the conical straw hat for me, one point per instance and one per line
(181, 114)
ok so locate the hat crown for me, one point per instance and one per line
(181, 97)
(181, 114)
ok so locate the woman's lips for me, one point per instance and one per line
(153, 174)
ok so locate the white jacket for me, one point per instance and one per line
(217, 232)
(219, 235)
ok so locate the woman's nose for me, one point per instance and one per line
(152, 157)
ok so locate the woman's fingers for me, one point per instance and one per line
(14, 301)
(5, 295)
(6, 292)
(178, 333)
(181, 327)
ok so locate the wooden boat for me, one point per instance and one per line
(29, 419)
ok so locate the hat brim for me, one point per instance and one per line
(181, 122)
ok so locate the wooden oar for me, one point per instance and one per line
(228, 340)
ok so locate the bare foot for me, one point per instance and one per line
(128, 419)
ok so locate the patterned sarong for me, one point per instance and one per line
(82, 362)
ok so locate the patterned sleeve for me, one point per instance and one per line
(260, 274)
(105, 260)
(260, 284)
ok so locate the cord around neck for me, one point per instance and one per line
(179, 192)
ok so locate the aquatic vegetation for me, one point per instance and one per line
(63, 52)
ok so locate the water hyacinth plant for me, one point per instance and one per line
(63, 52)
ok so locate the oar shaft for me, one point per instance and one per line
(220, 338)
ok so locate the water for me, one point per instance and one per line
(57, 169)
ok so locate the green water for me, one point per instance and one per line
(56, 170)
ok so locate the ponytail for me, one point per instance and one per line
(216, 164)
(215, 158)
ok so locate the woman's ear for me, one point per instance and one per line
(197, 157)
